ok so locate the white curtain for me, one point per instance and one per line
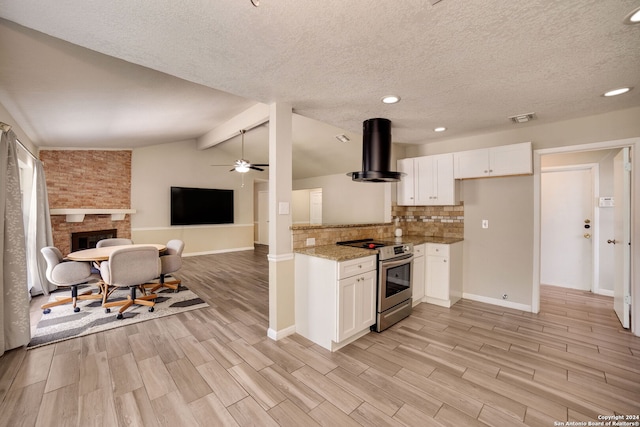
(38, 232)
(14, 295)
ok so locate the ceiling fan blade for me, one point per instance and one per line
(232, 170)
(255, 168)
(259, 164)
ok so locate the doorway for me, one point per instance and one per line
(581, 150)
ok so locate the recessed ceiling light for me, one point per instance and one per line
(390, 99)
(618, 91)
(633, 17)
(440, 129)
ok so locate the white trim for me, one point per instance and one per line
(178, 227)
(280, 257)
(219, 251)
(278, 335)
(496, 301)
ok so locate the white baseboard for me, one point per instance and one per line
(220, 251)
(278, 335)
(497, 301)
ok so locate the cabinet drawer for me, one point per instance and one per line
(437, 249)
(418, 250)
(356, 266)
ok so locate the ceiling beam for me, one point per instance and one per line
(247, 120)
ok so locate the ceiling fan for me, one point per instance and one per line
(243, 166)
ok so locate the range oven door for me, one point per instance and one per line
(394, 282)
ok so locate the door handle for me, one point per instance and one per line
(611, 241)
(587, 235)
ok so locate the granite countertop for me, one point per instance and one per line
(345, 253)
(418, 240)
(336, 252)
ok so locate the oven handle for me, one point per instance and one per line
(396, 261)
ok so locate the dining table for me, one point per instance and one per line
(97, 255)
(103, 253)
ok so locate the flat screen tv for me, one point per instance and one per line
(193, 206)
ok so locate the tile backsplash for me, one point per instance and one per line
(429, 221)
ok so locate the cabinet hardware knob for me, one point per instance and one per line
(611, 241)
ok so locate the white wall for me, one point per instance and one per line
(347, 202)
(156, 168)
(511, 201)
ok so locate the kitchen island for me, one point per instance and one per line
(336, 286)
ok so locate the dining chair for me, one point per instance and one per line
(115, 241)
(131, 268)
(67, 274)
(171, 261)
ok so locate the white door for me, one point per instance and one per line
(315, 206)
(263, 217)
(622, 235)
(566, 221)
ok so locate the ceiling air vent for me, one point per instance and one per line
(523, 118)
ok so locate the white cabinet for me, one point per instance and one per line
(418, 273)
(443, 279)
(514, 159)
(429, 181)
(335, 302)
(356, 304)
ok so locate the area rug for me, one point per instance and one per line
(63, 324)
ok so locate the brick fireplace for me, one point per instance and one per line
(87, 179)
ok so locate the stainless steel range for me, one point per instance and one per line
(395, 286)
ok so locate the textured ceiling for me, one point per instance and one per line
(466, 65)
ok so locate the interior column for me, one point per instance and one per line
(281, 262)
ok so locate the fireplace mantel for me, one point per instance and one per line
(77, 215)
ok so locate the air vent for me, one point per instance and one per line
(523, 118)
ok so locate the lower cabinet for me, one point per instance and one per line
(335, 302)
(356, 304)
(443, 281)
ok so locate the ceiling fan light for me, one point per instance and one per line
(242, 168)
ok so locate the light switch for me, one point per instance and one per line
(485, 223)
(283, 208)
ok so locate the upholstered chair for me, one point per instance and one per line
(171, 261)
(131, 268)
(67, 274)
(113, 242)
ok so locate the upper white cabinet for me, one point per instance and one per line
(514, 159)
(429, 181)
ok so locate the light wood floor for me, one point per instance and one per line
(473, 364)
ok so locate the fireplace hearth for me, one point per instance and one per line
(89, 239)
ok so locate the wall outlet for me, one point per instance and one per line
(485, 223)
(311, 241)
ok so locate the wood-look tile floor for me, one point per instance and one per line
(472, 365)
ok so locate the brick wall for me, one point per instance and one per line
(91, 179)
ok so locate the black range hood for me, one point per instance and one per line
(376, 153)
